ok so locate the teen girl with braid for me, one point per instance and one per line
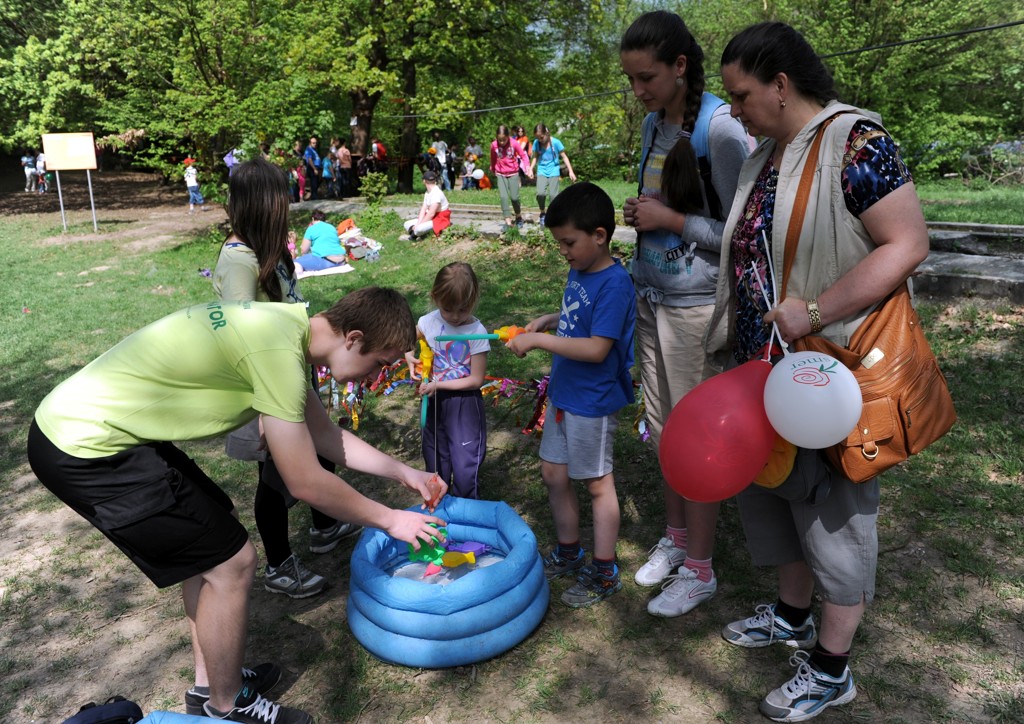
(679, 217)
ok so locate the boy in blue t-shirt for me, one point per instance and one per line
(592, 353)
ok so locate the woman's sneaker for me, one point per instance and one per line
(555, 565)
(808, 693)
(262, 678)
(591, 587)
(293, 579)
(661, 561)
(325, 540)
(764, 628)
(251, 708)
(681, 593)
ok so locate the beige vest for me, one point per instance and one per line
(832, 240)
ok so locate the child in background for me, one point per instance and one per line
(468, 167)
(507, 156)
(192, 184)
(592, 353)
(434, 214)
(455, 436)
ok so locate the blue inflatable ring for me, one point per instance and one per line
(478, 616)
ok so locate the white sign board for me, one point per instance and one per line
(69, 151)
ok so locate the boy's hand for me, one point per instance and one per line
(431, 487)
(412, 362)
(523, 343)
(414, 528)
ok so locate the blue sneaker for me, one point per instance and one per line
(555, 565)
(808, 693)
(765, 628)
(591, 587)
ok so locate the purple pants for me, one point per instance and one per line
(455, 440)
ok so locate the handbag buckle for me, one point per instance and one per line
(870, 454)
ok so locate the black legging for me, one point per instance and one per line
(271, 511)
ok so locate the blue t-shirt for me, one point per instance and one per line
(312, 157)
(597, 304)
(547, 160)
(324, 240)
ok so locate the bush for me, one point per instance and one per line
(374, 187)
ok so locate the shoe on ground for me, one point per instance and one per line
(808, 693)
(764, 628)
(591, 587)
(254, 709)
(293, 579)
(662, 559)
(263, 678)
(327, 539)
(555, 565)
(681, 593)
(405, 237)
(541, 219)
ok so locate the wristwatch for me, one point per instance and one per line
(814, 315)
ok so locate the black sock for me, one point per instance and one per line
(569, 551)
(605, 568)
(832, 664)
(795, 617)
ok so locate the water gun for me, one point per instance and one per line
(426, 365)
(501, 333)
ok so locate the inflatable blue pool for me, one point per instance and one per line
(483, 611)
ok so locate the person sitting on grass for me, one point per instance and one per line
(101, 442)
(592, 353)
(434, 215)
(321, 251)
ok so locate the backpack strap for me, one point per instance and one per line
(709, 103)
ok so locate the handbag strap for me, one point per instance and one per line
(803, 192)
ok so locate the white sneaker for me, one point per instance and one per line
(681, 592)
(663, 559)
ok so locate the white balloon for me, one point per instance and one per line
(812, 399)
(478, 174)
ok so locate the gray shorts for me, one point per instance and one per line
(547, 186)
(584, 444)
(819, 517)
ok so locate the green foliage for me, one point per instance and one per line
(374, 187)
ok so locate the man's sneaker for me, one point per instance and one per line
(662, 560)
(262, 678)
(555, 565)
(808, 693)
(680, 593)
(326, 540)
(541, 219)
(591, 587)
(254, 709)
(764, 628)
(293, 579)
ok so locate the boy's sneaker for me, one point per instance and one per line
(661, 561)
(325, 540)
(262, 678)
(681, 593)
(764, 628)
(808, 693)
(251, 708)
(555, 565)
(541, 220)
(591, 587)
(293, 579)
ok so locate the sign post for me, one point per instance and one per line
(71, 152)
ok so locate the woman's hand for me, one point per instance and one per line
(414, 528)
(431, 487)
(792, 319)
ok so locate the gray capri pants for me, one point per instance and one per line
(819, 517)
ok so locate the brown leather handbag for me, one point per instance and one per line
(907, 405)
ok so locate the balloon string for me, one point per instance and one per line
(775, 328)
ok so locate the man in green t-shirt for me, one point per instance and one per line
(101, 442)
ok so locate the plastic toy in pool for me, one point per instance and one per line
(462, 615)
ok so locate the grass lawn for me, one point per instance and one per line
(942, 641)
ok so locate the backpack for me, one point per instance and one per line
(115, 710)
(709, 103)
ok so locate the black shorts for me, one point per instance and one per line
(152, 501)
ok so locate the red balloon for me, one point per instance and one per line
(718, 438)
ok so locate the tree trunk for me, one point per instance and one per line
(410, 144)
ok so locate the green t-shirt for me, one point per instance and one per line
(194, 374)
